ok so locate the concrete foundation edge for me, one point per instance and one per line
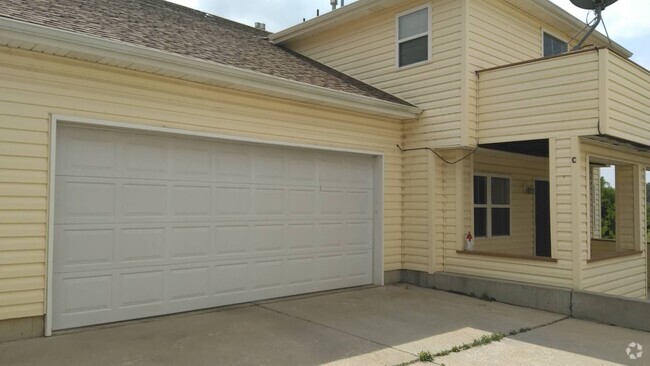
(21, 328)
(613, 310)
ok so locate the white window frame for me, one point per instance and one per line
(489, 205)
(638, 239)
(399, 41)
(556, 36)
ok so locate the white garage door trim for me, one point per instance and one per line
(378, 262)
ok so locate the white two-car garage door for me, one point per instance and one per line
(149, 224)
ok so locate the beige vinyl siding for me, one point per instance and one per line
(550, 97)
(499, 34)
(628, 92)
(415, 240)
(35, 86)
(523, 171)
(625, 276)
(365, 49)
(457, 178)
(23, 210)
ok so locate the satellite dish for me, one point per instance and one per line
(592, 4)
(598, 6)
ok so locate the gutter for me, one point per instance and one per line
(221, 75)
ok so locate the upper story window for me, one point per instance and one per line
(554, 46)
(413, 36)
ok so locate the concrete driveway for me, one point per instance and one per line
(368, 326)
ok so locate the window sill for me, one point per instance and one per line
(614, 255)
(407, 67)
(506, 255)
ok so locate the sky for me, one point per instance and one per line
(628, 21)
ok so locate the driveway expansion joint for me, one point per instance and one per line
(333, 328)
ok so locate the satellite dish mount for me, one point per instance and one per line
(598, 6)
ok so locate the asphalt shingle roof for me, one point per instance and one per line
(162, 25)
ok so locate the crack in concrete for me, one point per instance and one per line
(334, 329)
(511, 333)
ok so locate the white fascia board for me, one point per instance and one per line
(222, 75)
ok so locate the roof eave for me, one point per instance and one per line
(220, 75)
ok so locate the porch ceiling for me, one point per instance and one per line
(528, 147)
(620, 143)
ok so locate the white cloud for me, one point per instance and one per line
(625, 19)
(194, 4)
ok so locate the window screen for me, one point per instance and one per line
(554, 46)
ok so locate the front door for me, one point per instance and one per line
(542, 219)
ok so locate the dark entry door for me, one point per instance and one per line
(542, 219)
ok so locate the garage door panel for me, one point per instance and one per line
(359, 204)
(301, 270)
(86, 152)
(230, 279)
(191, 200)
(302, 202)
(358, 234)
(188, 284)
(268, 238)
(143, 201)
(232, 239)
(233, 201)
(189, 242)
(83, 296)
(302, 169)
(142, 245)
(301, 236)
(168, 224)
(233, 163)
(330, 235)
(144, 156)
(267, 274)
(84, 199)
(141, 289)
(330, 267)
(357, 264)
(360, 172)
(192, 161)
(269, 165)
(269, 202)
(83, 248)
(331, 203)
